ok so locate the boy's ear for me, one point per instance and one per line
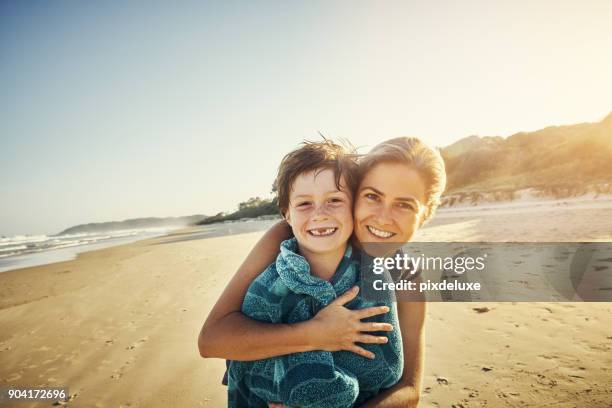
(287, 218)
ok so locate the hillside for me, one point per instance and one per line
(135, 223)
(557, 161)
(556, 156)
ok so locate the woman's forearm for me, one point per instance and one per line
(234, 336)
(227, 333)
(237, 337)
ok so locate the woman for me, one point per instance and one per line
(401, 183)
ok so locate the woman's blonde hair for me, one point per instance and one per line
(416, 154)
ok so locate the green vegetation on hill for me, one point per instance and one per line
(253, 207)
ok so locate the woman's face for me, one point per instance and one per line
(390, 203)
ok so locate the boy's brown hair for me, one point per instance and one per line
(316, 156)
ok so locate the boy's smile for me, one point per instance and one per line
(322, 232)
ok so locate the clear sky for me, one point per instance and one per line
(113, 110)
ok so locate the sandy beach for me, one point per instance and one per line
(119, 326)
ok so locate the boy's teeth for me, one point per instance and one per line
(380, 233)
(322, 231)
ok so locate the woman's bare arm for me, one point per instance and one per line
(227, 333)
(406, 392)
(226, 330)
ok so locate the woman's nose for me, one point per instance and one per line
(384, 215)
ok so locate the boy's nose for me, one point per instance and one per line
(320, 212)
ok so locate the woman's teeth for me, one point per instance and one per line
(380, 233)
(321, 232)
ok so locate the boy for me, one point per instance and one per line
(314, 185)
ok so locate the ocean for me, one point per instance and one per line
(24, 251)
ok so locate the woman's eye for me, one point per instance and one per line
(406, 206)
(371, 196)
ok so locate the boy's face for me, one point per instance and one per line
(320, 214)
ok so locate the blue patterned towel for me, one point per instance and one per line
(286, 292)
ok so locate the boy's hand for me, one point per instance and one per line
(337, 328)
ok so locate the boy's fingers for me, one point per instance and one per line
(370, 327)
(371, 311)
(362, 352)
(346, 296)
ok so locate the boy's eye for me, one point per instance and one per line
(303, 204)
(336, 200)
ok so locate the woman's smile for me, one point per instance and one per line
(379, 233)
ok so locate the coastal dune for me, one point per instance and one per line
(119, 326)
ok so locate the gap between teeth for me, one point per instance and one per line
(326, 231)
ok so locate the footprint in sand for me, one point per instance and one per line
(117, 374)
(442, 381)
(13, 377)
(472, 393)
(65, 402)
(138, 343)
(548, 356)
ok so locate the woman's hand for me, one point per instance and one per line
(337, 328)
